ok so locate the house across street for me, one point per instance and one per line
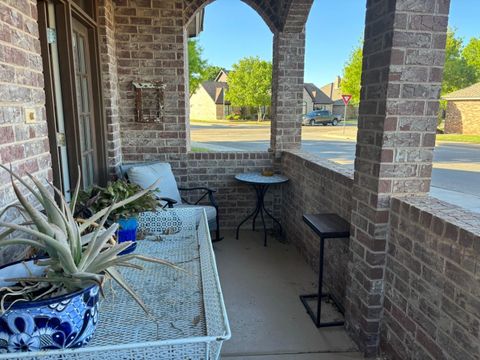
(463, 111)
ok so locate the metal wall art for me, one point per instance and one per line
(149, 101)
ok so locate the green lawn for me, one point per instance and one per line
(200, 149)
(472, 139)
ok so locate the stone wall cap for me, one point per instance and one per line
(453, 214)
(335, 168)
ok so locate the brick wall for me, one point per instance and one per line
(23, 146)
(432, 288)
(150, 45)
(217, 170)
(317, 185)
(463, 117)
(236, 200)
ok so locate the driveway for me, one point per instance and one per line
(456, 173)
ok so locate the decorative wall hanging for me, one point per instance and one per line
(149, 101)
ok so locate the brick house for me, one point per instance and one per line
(315, 99)
(94, 84)
(208, 101)
(463, 111)
(334, 92)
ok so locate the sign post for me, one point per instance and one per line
(346, 100)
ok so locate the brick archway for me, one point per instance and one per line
(267, 9)
(295, 15)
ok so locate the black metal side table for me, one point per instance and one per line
(326, 226)
(261, 184)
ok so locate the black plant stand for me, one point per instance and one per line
(326, 226)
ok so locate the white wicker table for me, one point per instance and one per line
(189, 319)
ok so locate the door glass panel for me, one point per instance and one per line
(85, 105)
(88, 138)
(84, 96)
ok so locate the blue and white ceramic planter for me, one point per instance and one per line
(127, 231)
(66, 321)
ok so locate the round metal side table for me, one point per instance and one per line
(261, 184)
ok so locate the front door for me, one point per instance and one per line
(69, 40)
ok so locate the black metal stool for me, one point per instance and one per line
(327, 226)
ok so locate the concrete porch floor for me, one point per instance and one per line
(261, 286)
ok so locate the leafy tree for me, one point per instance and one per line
(196, 65)
(471, 53)
(211, 72)
(352, 75)
(457, 72)
(250, 84)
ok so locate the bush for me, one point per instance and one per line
(230, 117)
(236, 117)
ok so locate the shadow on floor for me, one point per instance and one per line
(261, 286)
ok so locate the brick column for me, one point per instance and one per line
(108, 56)
(149, 37)
(402, 73)
(287, 90)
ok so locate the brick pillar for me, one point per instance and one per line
(287, 90)
(108, 56)
(402, 73)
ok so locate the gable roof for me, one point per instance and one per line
(211, 88)
(222, 71)
(471, 92)
(320, 97)
(332, 91)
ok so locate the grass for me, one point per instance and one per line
(196, 149)
(471, 139)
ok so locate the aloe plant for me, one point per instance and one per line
(79, 254)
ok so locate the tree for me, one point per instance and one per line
(196, 65)
(457, 72)
(250, 84)
(471, 53)
(352, 75)
(211, 72)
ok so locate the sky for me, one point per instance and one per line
(233, 30)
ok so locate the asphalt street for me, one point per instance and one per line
(456, 173)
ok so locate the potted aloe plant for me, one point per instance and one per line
(52, 302)
(97, 198)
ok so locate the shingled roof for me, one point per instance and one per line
(317, 95)
(211, 88)
(469, 93)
